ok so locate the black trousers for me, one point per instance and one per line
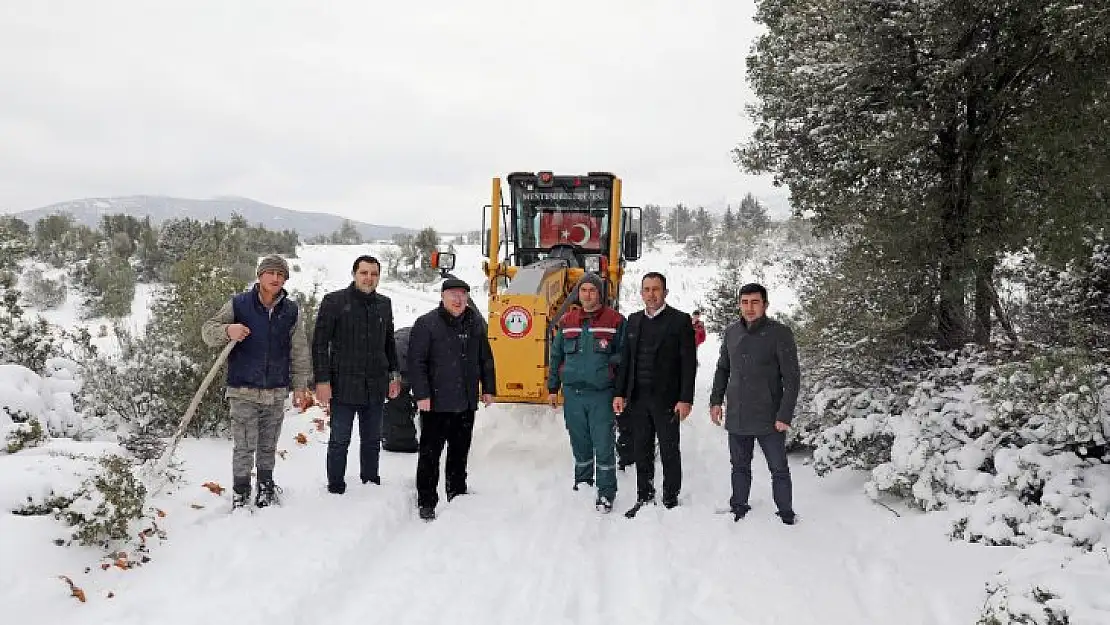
(438, 429)
(626, 446)
(650, 419)
(774, 451)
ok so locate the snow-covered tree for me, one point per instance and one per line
(882, 112)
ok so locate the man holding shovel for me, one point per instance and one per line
(272, 354)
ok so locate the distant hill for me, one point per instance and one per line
(88, 211)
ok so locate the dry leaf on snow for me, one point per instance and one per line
(74, 591)
(214, 487)
(301, 438)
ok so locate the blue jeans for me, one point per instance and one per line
(370, 440)
(774, 450)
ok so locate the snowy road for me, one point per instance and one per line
(525, 548)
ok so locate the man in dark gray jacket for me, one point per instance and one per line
(757, 379)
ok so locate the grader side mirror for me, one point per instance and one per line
(632, 246)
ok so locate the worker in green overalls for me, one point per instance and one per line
(584, 359)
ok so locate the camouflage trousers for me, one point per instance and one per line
(255, 428)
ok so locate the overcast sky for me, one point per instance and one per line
(397, 115)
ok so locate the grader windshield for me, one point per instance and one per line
(546, 232)
(548, 210)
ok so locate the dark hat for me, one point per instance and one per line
(593, 279)
(454, 283)
(273, 262)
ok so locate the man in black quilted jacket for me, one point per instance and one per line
(450, 366)
(354, 359)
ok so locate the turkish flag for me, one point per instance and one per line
(573, 228)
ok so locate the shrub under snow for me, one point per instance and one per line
(1021, 440)
(1014, 441)
(102, 502)
(47, 399)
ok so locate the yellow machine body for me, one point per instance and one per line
(533, 266)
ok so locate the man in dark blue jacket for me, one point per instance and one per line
(449, 357)
(354, 357)
(271, 356)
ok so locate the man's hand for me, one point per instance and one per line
(682, 409)
(618, 405)
(553, 399)
(781, 427)
(238, 332)
(394, 389)
(715, 414)
(487, 399)
(300, 399)
(424, 405)
(323, 393)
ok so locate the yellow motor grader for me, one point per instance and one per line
(538, 242)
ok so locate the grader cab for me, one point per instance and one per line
(537, 245)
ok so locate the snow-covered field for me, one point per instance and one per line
(523, 547)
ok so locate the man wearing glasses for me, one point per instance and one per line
(449, 359)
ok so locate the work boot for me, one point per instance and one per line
(268, 494)
(739, 512)
(241, 495)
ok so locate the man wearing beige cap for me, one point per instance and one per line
(271, 356)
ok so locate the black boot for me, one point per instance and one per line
(267, 494)
(240, 495)
(739, 512)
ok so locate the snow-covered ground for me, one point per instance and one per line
(523, 547)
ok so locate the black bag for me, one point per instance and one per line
(399, 423)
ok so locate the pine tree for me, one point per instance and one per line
(722, 299)
(347, 234)
(728, 224)
(110, 283)
(679, 223)
(700, 242)
(881, 114)
(751, 217)
(651, 218)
